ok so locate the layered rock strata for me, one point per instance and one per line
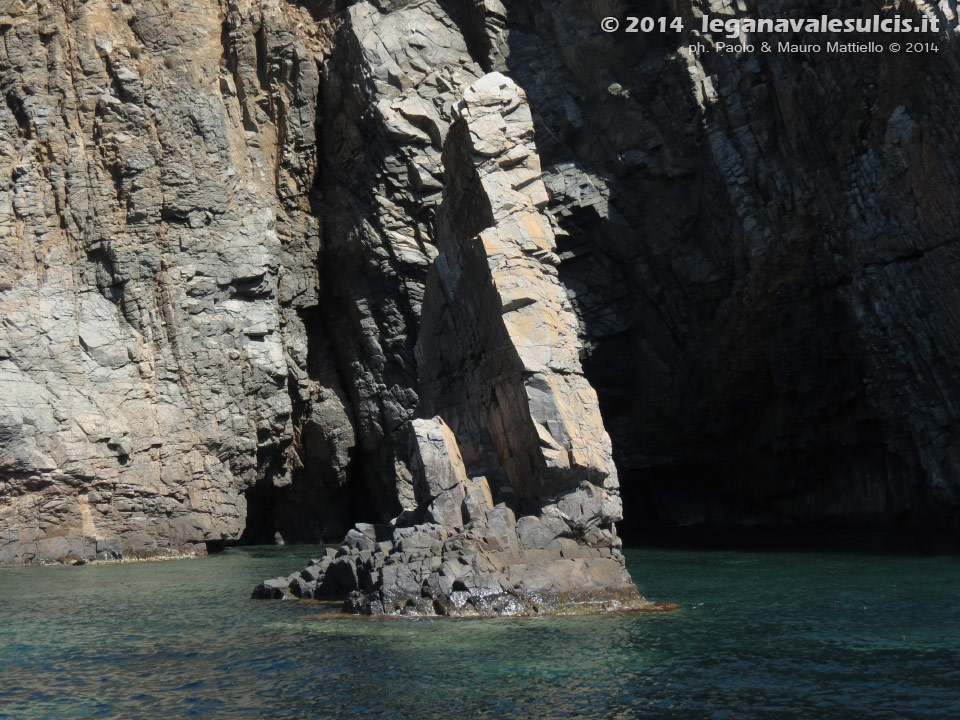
(217, 221)
(762, 250)
(156, 162)
(517, 517)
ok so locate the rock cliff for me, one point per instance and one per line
(158, 242)
(515, 500)
(247, 245)
(760, 247)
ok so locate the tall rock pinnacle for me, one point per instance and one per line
(515, 488)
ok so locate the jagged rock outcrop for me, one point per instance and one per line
(389, 85)
(497, 358)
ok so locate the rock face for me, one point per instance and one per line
(498, 348)
(245, 244)
(157, 243)
(760, 248)
(497, 356)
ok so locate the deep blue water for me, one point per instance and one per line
(760, 635)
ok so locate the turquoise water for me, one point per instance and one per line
(760, 635)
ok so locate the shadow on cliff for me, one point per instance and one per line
(362, 333)
(758, 248)
(748, 240)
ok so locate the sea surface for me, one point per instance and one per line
(759, 635)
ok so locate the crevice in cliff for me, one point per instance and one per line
(297, 511)
(19, 113)
(370, 494)
(262, 59)
(469, 17)
(260, 524)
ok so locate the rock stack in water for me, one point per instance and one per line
(515, 490)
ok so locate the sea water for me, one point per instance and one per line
(758, 635)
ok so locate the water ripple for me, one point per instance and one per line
(760, 636)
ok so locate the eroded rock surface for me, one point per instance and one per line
(157, 243)
(497, 356)
(761, 248)
(228, 283)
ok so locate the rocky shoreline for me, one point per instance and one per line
(485, 569)
(113, 557)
